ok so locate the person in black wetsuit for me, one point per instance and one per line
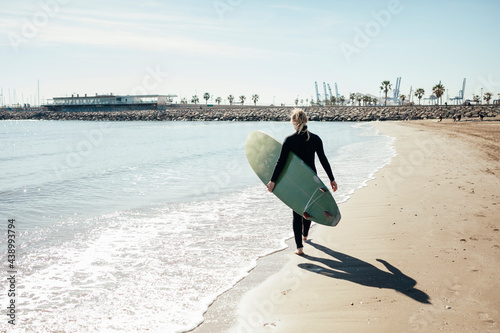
(305, 145)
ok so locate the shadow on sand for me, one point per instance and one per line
(348, 268)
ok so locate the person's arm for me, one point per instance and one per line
(280, 164)
(326, 165)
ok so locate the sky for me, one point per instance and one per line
(276, 49)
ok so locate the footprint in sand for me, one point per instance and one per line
(486, 318)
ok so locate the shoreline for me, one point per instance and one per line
(265, 266)
(399, 267)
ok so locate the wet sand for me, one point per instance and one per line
(418, 249)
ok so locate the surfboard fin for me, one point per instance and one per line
(323, 189)
(327, 214)
(306, 215)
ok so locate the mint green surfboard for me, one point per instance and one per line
(298, 186)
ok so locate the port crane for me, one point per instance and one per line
(460, 98)
(318, 97)
(395, 97)
(326, 94)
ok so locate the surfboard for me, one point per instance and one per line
(298, 186)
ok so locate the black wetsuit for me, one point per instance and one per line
(305, 149)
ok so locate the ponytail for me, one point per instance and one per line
(299, 121)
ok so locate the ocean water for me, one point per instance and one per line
(139, 226)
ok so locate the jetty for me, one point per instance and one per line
(258, 113)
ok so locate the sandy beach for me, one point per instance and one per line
(417, 250)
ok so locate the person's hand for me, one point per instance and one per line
(270, 186)
(334, 185)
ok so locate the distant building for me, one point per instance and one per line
(110, 102)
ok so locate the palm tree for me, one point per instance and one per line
(333, 100)
(419, 93)
(374, 100)
(438, 90)
(255, 98)
(402, 98)
(366, 99)
(195, 99)
(184, 100)
(487, 96)
(476, 99)
(242, 99)
(230, 98)
(297, 101)
(342, 99)
(206, 97)
(359, 99)
(385, 87)
(218, 100)
(352, 97)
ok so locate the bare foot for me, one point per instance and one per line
(299, 251)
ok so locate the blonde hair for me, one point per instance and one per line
(299, 120)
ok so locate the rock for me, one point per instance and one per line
(225, 113)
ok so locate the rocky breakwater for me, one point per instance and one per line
(405, 112)
(170, 114)
(332, 113)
